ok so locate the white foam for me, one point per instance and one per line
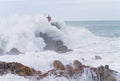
(10, 77)
(20, 32)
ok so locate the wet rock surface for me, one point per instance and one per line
(56, 45)
(98, 58)
(16, 68)
(76, 70)
(13, 51)
(56, 24)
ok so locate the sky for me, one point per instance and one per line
(63, 9)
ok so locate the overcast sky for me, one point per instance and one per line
(63, 9)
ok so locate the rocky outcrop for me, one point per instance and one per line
(56, 45)
(14, 51)
(17, 68)
(78, 70)
(98, 58)
(58, 65)
(62, 49)
(75, 70)
(105, 74)
(56, 24)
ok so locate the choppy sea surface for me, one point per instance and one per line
(87, 39)
(101, 28)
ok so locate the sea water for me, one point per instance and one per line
(86, 39)
(100, 28)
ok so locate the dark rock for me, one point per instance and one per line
(105, 74)
(56, 45)
(63, 49)
(11, 67)
(107, 68)
(56, 24)
(69, 70)
(58, 65)
(14, 51)
(97, 58)
(77, 63)
(17, 68)
(95, 74)
(3, 67)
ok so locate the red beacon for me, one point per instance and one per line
(48, 18)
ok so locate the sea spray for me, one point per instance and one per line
(22, 32)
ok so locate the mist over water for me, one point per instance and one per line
(22, 33)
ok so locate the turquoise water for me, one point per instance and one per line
(100, 28)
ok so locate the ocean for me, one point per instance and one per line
(87, 40)
(100, 28)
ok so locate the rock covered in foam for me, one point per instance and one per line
(56, 45)
(14, 51)
(106, 75)
(98, 58)
(62, 49)
(77, 63)
(17, 68)
(56, 24)
(58, 65)
(76, 70)
(79, 70)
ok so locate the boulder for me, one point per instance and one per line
(14, 51)
(95, 74)
(62, 49)
(2, 67)
(24, 70)
(69, 70)
(105, 74)
(17, 68)
(77, 64)
(98, 58)
(56, 24)
(68, 67)
(55, 45)
(58, 65)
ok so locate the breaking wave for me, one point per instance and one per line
(24, 34)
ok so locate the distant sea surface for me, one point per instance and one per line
(100, 28)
